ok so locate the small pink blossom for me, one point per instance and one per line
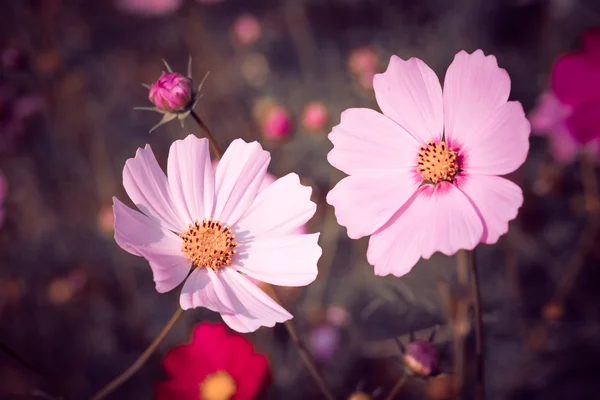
(315, 116)
(576, 84)
(276, 123)
(149, 8)
(246, 30)
(172, 92)
(424, 174)
(217, 225)
(364, 64)
(549, 119)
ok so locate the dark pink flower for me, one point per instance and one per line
(172, 92)
(576, 83)
(216, 365)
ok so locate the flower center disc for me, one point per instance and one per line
(217, 386)
(209, 244)
(437, 162)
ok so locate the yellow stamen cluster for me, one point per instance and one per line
(437, 162)
(217, 386)
(209, 244)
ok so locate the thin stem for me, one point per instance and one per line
(479, 352)
(213, 144)
(119, 380)
(399, 384)
(305, 355)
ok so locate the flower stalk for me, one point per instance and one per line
(479, 335)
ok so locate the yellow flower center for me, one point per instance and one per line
(209, 244)
(217, 386)
(437, 162)
(359, 396)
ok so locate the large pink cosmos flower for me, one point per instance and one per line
(423, 175)
(217, 224)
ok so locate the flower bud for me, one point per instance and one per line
(172, 92)
(315, 116)
(421, 357)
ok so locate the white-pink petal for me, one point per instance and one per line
(366, 140)
(238, 179)
(409, 92)
(501, 144)
(474, 88)
(496, 199)
(364, 202)
(279, 209)
(141, 236)
(438, 218)
(289, 260)
(205, 288)
(147, 186)
(191, 178)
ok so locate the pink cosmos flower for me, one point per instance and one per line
(424, 174)
(217, 225)
(576, 83)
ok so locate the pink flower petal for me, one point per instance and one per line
(409, 92)
(501, 144)
(436, 218)
(191, 177)
(147, 186)
(141, 236)
(474, 88)
(205, 288)
(238, 179)
(289, 260)
(368, 140)
(255, 307)
(576, 79)
(496, 199)
(281, 208)
(584, 122)
(365, 202)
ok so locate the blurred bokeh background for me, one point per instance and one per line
(80, 310)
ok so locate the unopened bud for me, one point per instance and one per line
(315, 116)
(421, 357)
(172, 92)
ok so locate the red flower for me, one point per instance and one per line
(216, 365)
(576, 83)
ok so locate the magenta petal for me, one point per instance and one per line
(289, 260)
(205, 288)
(576, 79)
(365, 202)
(409, 92)
(238, 179)
(191, 177)
(147, 186)
(141, 236)
(254, 307)
(367, 140)
(496, 199)
(501, 144)
(436, 218)
(281, 208)
(584, 122)
(474, 88)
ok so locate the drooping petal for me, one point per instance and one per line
(204, 288)
(191, 177)
(238, 179)
(365, 202)
(474, 88)
(436, 218)
(279, 209)
(584, 122)
(147, 186)
(367, 140)
(501, 144)
(141, 236)
(255, 308)
(496, 199)
(289, 260)
(576, 79)
(409, 92)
